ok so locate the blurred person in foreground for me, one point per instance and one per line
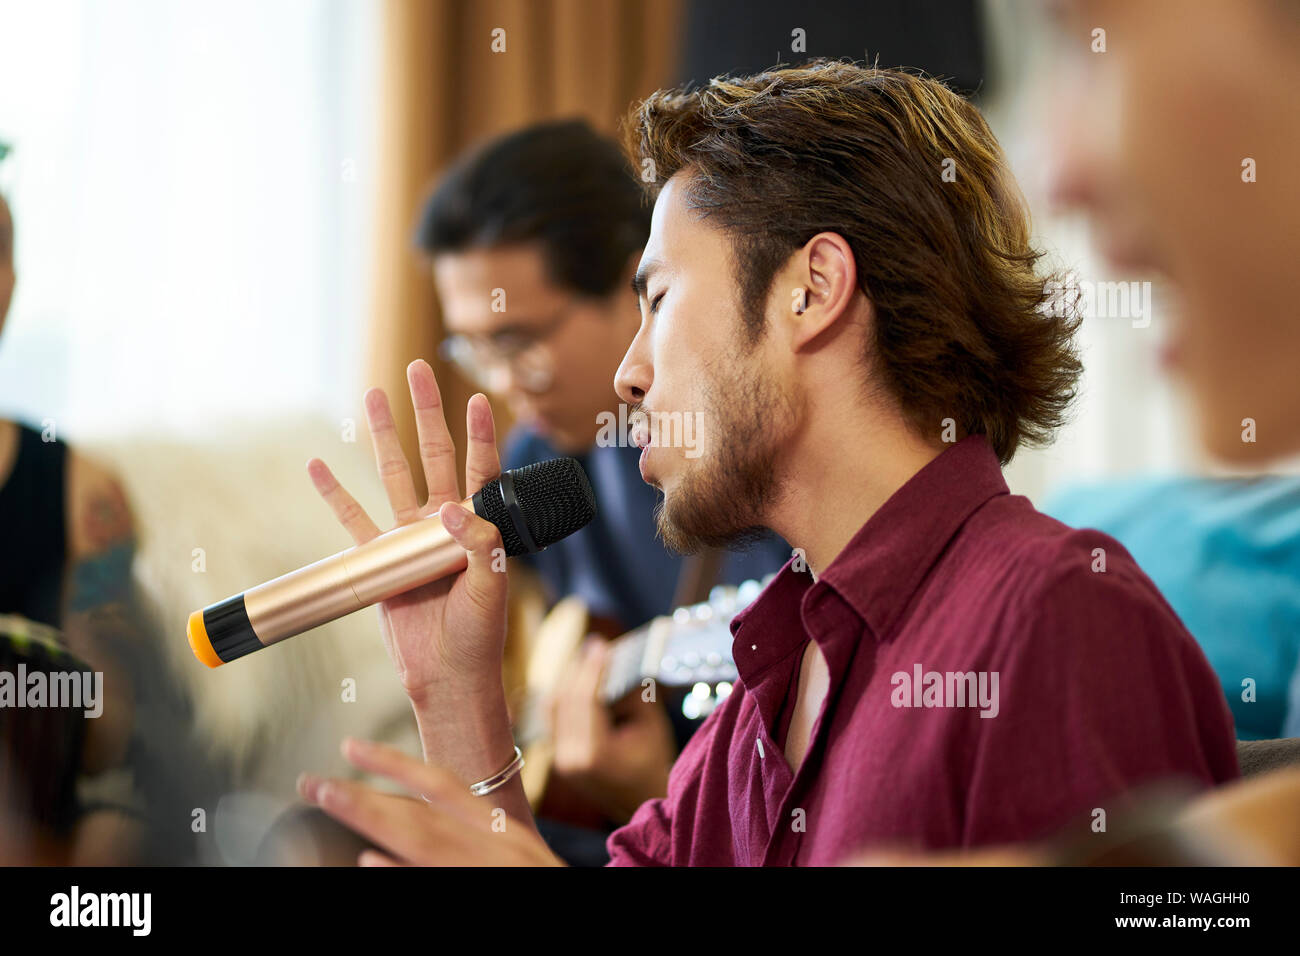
(1188, 176)
(1155, 153)
(867, 335)
(1188, 181)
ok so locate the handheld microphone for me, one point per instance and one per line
(533, 507)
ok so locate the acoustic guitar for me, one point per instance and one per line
(684, 657)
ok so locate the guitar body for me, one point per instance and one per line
(554, 648)
(689, 650)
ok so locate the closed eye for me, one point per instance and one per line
(654, 303)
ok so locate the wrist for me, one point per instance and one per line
(469, 734)
(454, 694)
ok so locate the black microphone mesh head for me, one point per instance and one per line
(554, 496)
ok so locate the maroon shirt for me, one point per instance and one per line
(1098, 688)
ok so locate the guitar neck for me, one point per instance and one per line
(627, 666)
(690, 646)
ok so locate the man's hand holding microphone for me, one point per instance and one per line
(446, 640)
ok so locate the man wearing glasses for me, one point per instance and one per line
(533, 240)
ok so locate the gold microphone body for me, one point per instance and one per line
(532, 506)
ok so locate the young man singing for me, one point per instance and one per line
(839, 277)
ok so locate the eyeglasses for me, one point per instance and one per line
(482, 359)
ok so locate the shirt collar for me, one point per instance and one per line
(884, 563)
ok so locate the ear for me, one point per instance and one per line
(823, 280)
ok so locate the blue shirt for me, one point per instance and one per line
(1226, 556)
(617, 564)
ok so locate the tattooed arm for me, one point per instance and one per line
(100, 546)
(99, 524)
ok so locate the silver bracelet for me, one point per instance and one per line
(499, 778)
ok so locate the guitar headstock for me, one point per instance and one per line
(692, 647)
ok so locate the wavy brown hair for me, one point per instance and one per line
(965, 327)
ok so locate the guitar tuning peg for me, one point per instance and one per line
(723, 598)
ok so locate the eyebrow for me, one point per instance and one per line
(642, 277)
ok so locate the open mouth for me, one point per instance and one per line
(639, 434)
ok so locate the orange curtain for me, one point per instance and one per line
(445, 89)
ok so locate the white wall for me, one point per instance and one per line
(192, 189)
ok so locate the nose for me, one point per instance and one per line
(1072, 156)
(1071, 176)
(635, 373)
(500, 380)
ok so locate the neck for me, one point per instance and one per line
(847, 463)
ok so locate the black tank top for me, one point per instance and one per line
(33, 530)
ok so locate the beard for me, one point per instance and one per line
(720, 500)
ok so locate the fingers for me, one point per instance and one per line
(437, 453)
(485, 580)
(482, 463)
(402, 826)
(393, 468)
(439, 786)
(591, 668)
(451, 827)
(411, 829)
(581, 721)
(350, 514)
(308, 787)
